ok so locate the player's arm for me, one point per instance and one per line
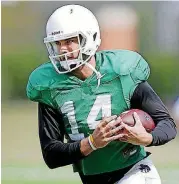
(145, 98)
(55, 152)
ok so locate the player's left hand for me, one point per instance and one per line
(136, 135)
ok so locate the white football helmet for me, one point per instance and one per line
(67, 22)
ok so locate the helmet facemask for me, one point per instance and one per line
(62, 62)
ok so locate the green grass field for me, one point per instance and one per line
(22, 161)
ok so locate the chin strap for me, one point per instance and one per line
(98, 74)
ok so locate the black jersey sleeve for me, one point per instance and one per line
(55, 152)
(146, 99)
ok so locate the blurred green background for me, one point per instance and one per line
(23, 30)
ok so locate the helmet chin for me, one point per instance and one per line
(70, 64)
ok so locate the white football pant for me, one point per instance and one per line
(143, 172)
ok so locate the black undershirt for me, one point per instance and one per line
(56, 153)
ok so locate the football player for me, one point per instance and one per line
(81, 91)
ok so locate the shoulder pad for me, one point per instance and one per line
(40, 80)
(130, 63)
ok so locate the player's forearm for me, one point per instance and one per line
(159, 134)
(58, 154)
(145, 98)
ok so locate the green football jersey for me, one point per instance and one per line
(83, 105)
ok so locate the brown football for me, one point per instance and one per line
(145, 118)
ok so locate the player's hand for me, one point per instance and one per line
(105, 131)
(136, 135)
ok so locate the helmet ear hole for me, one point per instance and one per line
(82, 40)
(94, 36)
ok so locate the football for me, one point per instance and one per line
(145, 118)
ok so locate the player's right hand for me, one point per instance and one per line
(105, 131)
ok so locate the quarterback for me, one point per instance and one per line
(80, 93)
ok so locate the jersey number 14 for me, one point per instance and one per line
(102, 103)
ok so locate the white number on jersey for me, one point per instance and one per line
(102, 103)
